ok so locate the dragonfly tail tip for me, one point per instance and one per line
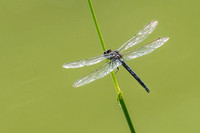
(147, 90)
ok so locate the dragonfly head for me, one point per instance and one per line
(107, 51)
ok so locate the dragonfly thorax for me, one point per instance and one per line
(114, 54)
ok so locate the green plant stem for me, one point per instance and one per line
(125, 111)
(96, 25)
(119, 96)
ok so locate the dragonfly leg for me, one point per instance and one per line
(117, 70)
(111, 63)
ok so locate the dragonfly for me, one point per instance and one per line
(118, 57)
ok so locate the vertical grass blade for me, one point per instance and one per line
(119, 96)
(96, 25)
(125, 111)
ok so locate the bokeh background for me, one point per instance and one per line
(38, 36)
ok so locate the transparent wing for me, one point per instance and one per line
(146, 49)
(86, 62)
(140, 36)
(97, 74)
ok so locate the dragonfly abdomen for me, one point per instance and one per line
(134, 74)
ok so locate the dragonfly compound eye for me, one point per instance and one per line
(107, 51)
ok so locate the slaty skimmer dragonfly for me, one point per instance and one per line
(117, 57)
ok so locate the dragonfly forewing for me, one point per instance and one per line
(98, 73)
(145, 49)
(140, 36)
(86, 62)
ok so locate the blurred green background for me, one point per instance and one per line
(38, 36)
